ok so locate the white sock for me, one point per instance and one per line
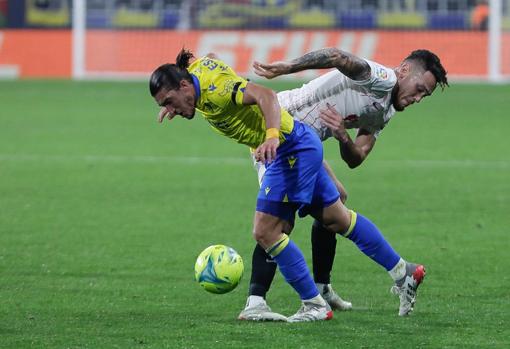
(255, 300)
(399, 270)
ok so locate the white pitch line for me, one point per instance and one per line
(204, 160)
(189, 160)
(456, 163)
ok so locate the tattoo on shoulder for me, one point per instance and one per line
(353, 67)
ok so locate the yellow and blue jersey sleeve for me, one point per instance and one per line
(221, 104)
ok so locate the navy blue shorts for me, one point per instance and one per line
(296, 179)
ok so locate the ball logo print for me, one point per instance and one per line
(219, 269)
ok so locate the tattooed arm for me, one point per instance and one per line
(348, 64)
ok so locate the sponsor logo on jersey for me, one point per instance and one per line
(381, 73)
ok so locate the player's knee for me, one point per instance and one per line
(319, 228)
(259, 235)
(265, 237)
(287, 227)
(344, 222)
(339, 222)
(332, 227)
(262, 233)
(267, 229)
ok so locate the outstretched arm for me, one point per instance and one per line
(348, 64)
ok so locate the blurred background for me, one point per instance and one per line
(128, 38)
(103, 210)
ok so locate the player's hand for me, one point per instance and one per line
(335, 122)
(266, 152)
(271, 70)
(164, 113)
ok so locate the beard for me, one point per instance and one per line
(189, 116)
(190, 100)
(394, 98)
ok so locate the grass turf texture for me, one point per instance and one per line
(103, 212)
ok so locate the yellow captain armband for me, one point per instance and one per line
(272, 133)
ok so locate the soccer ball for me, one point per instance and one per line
(219, 269)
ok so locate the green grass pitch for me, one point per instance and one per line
(103, 212)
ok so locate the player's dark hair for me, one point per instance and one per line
(429, 61)
(169, 76)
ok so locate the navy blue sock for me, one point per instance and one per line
(372, 243)
(263, 269)
(323, 252)
(292, 265)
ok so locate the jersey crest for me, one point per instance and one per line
(381, 73)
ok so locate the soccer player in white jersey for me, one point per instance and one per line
(358, 94)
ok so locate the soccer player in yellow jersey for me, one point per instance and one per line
(295, 179)
(250, 114)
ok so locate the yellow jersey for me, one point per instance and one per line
(220, 95)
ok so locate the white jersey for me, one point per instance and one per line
(363, 104)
